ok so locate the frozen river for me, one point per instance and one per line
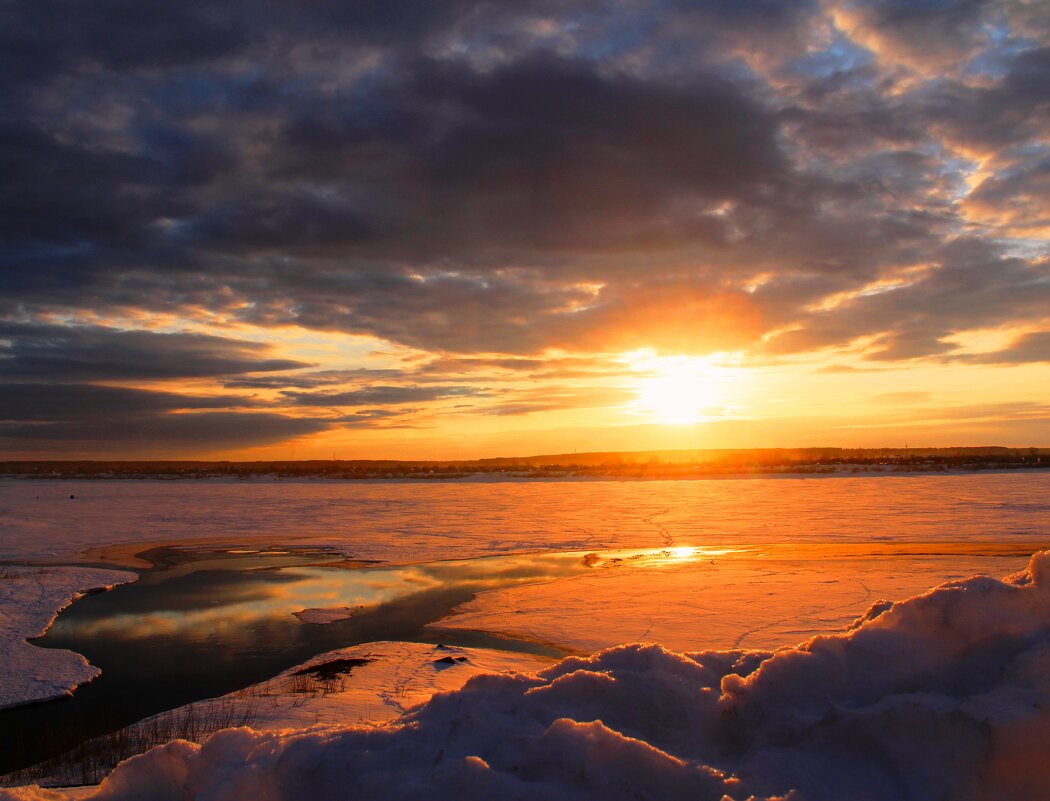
(422, 521)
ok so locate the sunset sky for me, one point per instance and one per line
(266, 229)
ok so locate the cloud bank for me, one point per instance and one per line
(519, 180)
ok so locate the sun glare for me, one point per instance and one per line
(681, 390)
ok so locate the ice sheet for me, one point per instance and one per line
(422, 522)
(30, 597)
(764, 597)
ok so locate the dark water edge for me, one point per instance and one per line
(155, 656)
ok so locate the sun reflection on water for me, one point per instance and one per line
(201, 607)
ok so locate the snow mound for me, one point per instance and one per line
(945, 695)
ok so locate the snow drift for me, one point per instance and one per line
(945, 695)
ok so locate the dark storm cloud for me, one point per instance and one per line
(489, 370)
(311, 380)
(46, 39)
(117, 417)
(66, 202)
(570, 143)
(58, 402)
(506, 178)
(453, 312)
(199, 432)
(380, 395)
(42, 40)
(95, 353)
(429, 159)
(539, 155)
(1005, 113)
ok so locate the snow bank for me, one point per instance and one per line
(371, 684)
(392, 677)
(30, 598)
(945, 695)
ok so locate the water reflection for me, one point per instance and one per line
(217, 597)
(211, 598)
(662, 557)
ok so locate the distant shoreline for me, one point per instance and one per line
(594, 465)
(547, 475)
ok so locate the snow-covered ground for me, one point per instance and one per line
(943, 696)
(757, 597)
(396, 677)
(30, 597)
(363, 685)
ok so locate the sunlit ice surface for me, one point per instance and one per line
(431, 521)
(670, 557)
(206, 606)
(762, 597)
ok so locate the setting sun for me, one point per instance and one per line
(681, 391)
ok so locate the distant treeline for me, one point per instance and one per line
(667, 463)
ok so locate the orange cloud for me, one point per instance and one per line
(669, 318)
